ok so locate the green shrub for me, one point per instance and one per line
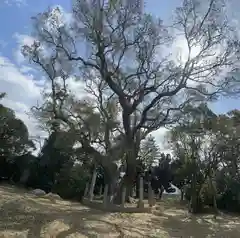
(230, 198)
(71, 183)
(199, 202)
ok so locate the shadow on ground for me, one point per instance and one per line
(23, 215)
(27, 216)
(178, 222)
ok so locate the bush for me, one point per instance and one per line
(71, 183)
(39, 178)
(199, 205)
(230, 199)
(206, 194)
(228, 195)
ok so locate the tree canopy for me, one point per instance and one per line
(133, 83)
(14, 137)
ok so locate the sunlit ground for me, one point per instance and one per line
(24, 215)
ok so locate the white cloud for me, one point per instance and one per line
(21, 39)
(22, 93)
(17, 3)
(76, 87)
(160, 136)
(23, 85)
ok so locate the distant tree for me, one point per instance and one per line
(14, 140)
(14, 137)
(188, 141)
(149, 152)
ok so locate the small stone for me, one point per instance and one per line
(39, 192)
(53, 196)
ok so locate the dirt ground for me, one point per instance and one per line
(24, 215)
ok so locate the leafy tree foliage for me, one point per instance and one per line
(123, 59)
(14, 137)
(130, 89)
(14, 141)
(205, 162)
(149, 151)
(206, 159)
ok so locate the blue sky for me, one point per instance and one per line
(19, 81)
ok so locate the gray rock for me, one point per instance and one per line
(52, 196)
(38, 192)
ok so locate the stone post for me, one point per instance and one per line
(105, 196)
(100, 191)
(91, 192)
(141, 191)
(86, 190)
(151, 200)
(123, 196)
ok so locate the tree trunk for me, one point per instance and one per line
(112, 189)
(130, 174)
(123, 196)
(105, 196)
(131, 191)
(215, 205)
(193, 200)
(110, 178)
(193, 205)
(91, 192)
(151, 199)
(182, 194)
(127, 184)
(137, 187)
(100, 190)
(161, 192)
(141, 192)
(25, 176)
(214, 193)
(86, 190)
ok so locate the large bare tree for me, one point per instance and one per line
(131, 53)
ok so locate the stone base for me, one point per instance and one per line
(152, 202)
(140, 204)
(116, 208)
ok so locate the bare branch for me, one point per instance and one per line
(126, 53)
